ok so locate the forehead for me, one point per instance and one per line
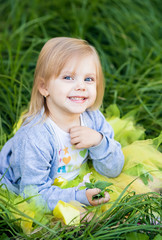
(76, 63)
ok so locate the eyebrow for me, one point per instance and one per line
(68, 72)
(91, 74)
(74, 73)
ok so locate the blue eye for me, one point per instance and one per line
(89, 79)
(68, 78)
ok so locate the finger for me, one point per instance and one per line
(75, 129)
(73, 132)
(95, 191)
(75, 140)
(79, 146)
(90, 193)
(104, 199)
(86, 217)
(107, 196)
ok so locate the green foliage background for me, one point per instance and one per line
(128, 36)
(126, 33)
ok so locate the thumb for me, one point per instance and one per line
(96, 191)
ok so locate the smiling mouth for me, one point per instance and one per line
(78, 99)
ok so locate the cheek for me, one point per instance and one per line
(94, 93)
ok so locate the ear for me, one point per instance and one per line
(42, 87)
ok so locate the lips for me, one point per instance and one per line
(78, 99)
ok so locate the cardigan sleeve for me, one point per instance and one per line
(107, 157)
(36, 159)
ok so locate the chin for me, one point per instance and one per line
(78, 110)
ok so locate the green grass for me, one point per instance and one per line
(128, 36)
(128, 214)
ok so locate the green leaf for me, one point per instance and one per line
(158, 237)
(146, 177)
(102, 184)
(136, 236)
(108, 190)
(99, 195)
(139, 170)
(89, 185)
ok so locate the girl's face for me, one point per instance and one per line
(74, 90)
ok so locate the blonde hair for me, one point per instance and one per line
(52, 58)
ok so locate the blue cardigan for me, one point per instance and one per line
(30, 159)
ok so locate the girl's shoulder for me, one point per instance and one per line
(93, 117)
(93, 114)
(35, 128)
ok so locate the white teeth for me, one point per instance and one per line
(76, 98)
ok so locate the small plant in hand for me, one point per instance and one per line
(102, 185)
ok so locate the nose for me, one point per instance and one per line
(80, 85)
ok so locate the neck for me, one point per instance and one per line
(66, 122)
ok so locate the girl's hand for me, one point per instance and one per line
(85, 216)
(94, 191)
(84, 137)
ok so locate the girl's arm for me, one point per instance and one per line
(37, 158)
(36, 166)
(98, 137)
(108, 158)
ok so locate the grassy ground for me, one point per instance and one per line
(131, 217)
(128, 37)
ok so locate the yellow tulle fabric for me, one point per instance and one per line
(69, 213)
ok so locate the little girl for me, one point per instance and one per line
(63, 126)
